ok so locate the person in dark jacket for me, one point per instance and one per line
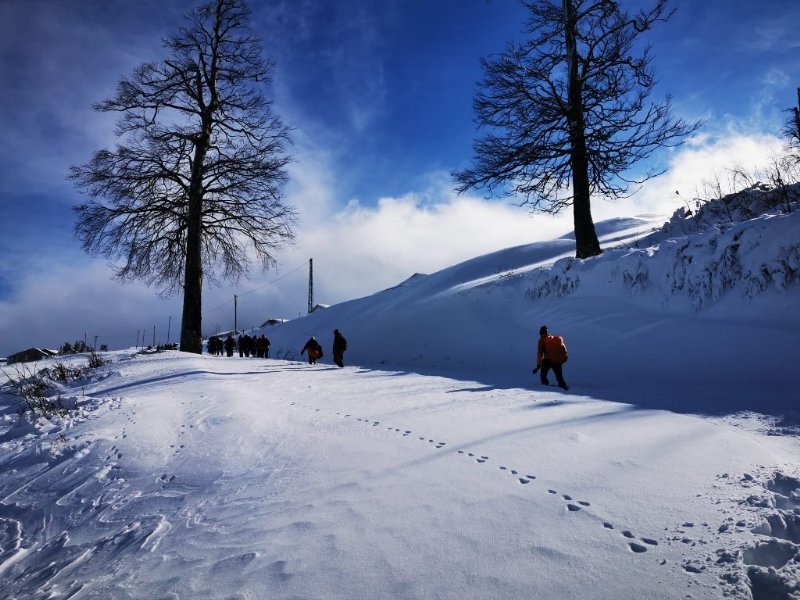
(551, 354)
(339, 346)
(314, 350)
(230, 344)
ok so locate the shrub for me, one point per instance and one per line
(33, 391)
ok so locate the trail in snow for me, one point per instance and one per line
(186, 477)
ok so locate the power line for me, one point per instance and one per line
(226, 303)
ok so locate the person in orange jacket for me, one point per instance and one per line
(314, 350)
(551, 354)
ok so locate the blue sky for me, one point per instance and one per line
(380, 94)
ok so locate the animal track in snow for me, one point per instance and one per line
(524, 479)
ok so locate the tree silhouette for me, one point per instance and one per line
(792, 127)
(197, 178)
(569, 112)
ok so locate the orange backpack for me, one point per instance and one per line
(555, 349)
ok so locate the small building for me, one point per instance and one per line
(271, 322)
(30, 355)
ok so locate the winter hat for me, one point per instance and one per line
(543, 330)
(335, 332)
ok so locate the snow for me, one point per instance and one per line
(435, 465)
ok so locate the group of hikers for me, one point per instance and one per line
(551, 352)
(247, 345)
(258, 347)
(314, 349)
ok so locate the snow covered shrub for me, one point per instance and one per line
(33, 390)
(63, 373)
(632, 270)
(747, 258)
(95, 361)
(744, 256)
(556, 282)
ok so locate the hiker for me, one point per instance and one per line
(339, 346)
(314, 350)
(230, 344)
(262, 347)
(551, 354)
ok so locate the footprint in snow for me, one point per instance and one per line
(573, 507)
(650, 541)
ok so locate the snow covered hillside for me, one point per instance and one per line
(662, 319)
(434, 465)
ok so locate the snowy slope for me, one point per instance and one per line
(660, 320)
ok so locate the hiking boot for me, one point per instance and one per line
(563, 386)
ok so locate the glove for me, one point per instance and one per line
(536, 370)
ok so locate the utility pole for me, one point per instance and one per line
(235, 311)
(169, 326)
(154, 336)
(310, 285)
(137, 339)
(95, 343)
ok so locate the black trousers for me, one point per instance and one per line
(338, 358)
(545, 369)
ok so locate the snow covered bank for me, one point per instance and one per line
(704, 323)
(208, 477)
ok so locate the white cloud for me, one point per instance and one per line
(691, 167)
(69, 302)
(361, 249)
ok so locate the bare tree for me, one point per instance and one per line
(569, 111)
(197, 179)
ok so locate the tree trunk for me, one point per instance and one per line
(192, 320)
(586, 242)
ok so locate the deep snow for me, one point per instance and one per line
(434, 465)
